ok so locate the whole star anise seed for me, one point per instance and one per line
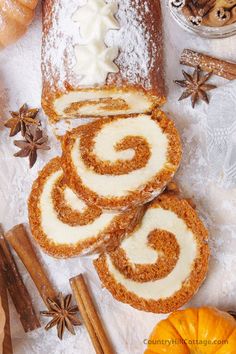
(63, 315)
(34, 140)
(196, 86)
(19, 121)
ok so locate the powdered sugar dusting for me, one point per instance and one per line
(58, 49)
(134, 60)
(133, 40)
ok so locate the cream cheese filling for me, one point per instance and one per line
(60, 232)
(139, 252)
(73, 201)
(105, 141)
(136, 101)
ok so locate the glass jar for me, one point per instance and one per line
(203, 31)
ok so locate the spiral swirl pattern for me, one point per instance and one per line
(161, 264)
(119, 163)
(64, 225)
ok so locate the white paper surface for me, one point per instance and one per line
(207, 174)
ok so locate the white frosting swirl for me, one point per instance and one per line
(95, 18)
(94, 62)
(94, 58)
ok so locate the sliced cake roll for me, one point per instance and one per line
(162, 263)
(119, 163)
(63, 225)
(101, 58)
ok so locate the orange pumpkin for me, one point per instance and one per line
(15, 17)
(202, 330)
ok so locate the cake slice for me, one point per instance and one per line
(163, 262)
(64, 226)
(119, 163)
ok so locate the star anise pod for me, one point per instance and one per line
(34, 140)
(196, 86)
(19, 121)
(63, 315)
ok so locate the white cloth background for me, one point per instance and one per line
(207, 173)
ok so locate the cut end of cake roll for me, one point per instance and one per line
(110, 101)
(121, 162)
(163, 262)
(102, 58)
(64, 225)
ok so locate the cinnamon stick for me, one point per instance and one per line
(87, 322)
(90, 315)
(210, 64)
(19, 240)
(7, 343)
(16, 288)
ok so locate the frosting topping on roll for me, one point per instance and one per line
(94, 62)
(94, 58)
(96, 18)
(105, 149)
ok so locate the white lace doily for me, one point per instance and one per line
(207, 173)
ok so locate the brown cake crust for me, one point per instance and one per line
(143, 273)
(59, 79)
(108, 239)
(142, 150)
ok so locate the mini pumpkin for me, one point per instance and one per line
(15, 17)
(202, 330)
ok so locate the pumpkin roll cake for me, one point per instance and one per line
(119, 163)
(101, 58)
(64, 226)
(162, 263)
